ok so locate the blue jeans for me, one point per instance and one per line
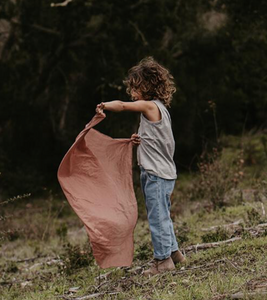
(157, 192)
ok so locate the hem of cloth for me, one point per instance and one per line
(158, 175)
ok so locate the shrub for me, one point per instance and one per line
(75, 257)
(62, 231)
(7, 233)
(219, 235)
(217, 177)
(254, 217)
(182, 233)
(144, 251)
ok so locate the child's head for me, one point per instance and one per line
(151, 81)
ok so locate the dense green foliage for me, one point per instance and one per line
(58, 62)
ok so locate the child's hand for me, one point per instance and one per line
(99, 109)
(136, 139)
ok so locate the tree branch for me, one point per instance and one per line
(139, 32)
(65, 3)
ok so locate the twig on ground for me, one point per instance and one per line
(208, 265)
(35, 265)
(261, 225)
(96, 295)
(241, 295)
(211, 245)
(13, 281)
(104, 276)
(252, 230)
(48, 261)
(30, 259)
(260, 228)
(138, 268)
(233, 265)
(231, 225)
(96, 288)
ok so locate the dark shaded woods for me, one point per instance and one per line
(57, 62)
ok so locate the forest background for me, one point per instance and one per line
(58, 61)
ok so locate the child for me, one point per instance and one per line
(151, 86)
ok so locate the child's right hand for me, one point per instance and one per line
(136, 139)
(99, 109)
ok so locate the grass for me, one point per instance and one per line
(208, 274)
(46, 254)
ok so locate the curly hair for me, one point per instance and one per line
(152, 80)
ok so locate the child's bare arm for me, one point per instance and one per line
(118, 106)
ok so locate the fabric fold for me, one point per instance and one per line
(96, 178)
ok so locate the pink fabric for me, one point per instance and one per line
(96, 178)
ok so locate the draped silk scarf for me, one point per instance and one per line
(96, 178)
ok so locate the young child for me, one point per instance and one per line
(151, 86)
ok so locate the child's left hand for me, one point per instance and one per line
(136, 139)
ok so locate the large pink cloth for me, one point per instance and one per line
(96, 178)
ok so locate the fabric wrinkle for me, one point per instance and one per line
(99, 188)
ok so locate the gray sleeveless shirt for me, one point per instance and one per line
(156, 150)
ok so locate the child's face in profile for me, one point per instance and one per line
(136, 95)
